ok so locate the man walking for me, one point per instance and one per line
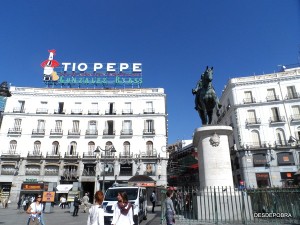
(153, 200)
(77, 202)
(85, 201)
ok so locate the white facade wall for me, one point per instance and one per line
(236, 111)
(79, 100)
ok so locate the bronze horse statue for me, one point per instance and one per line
(206, 99)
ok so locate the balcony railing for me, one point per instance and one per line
(59, 111)
(88, 172)
(249, 100)
(149, 111)
(89, 154)
(14, 131)
(254, 145)
(293, 95)
(58, 132)
(74, 132)
(18, 110)
(272, 98)
(11, 153)
(35, 154)
(76, 111)
(8, 172)
(126, 111)
(109, 132)
(279, 119)
(52, 155)
(93, 112)
(281, 143)
(126, 132)
(295, 117)
(32, 172)
(126, 155)
(110, 112)
(149, 132)
(72, 156)
(149, 154)
(91, 132)
(51, 172)
(41, 111)
(253, 121)
(38, 132)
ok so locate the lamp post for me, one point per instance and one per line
(97, 151)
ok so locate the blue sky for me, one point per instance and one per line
(175, 41)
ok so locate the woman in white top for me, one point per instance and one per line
(122, 211)
(96, 213)
(36, 210)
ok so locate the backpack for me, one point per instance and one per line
(151, 198)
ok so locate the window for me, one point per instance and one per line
(263, 180)
(109, 146)
(255, 139)
(259, 160)
(111, 110)
(252, 117)
(149, 107)
(41, 125)
(55, 148)
(92, 127)
(285, 159)
(271, 96)
(109, 128)
(275, 115)
(75, 126)
(291, 92)
(58, 125)
(280, 137)
(17, 125)
(296, 112)
(21, 106)
(91, 147)
(126, 148)
(127, 127)
(12, 146)
(127, 109)
(72, 148)
(149, 126)
(149, 148)
(36, 147)
(248, 97)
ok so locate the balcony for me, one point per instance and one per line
(38, 132)
(126, 132)
(249, 100)
(10, 171)
(74, 133)
(127, 111)
(278, 119)
(295, 118)
(126, 155)
(52, 155)
(109, 132)
(293, 95)
(253, 121)
(10, 154)
(149, 154)
(89, 155)
(18, 110)
(281, 143)
(51, 172)
(76, 111)
(71, 156)
(59, 111)
(149, 132)
(29, 171)
(254, 145)
(41, 111)
(56, 132)
(110, 112)
(149, 111)
(14, 131)
(91, 133)
(34, 155)
(93, 112)
(272, 98)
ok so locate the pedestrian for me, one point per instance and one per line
(36, 212)
(122, 211)
(77, 203)
(170, 211)
(153, 200)
(63, 201)
(85, 201)
(96, 212)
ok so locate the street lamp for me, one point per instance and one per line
(97, 151)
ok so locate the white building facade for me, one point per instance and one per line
(264, 112)
(50, 135)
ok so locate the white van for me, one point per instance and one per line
(137, 196)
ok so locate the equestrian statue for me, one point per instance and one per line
(206, 99)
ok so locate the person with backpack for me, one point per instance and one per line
(153, 200)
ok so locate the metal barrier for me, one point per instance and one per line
(226, 205)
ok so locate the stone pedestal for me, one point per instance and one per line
(48, 206)
(214, 156)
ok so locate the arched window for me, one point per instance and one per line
(55, 148)
(73, 147)
(12, 146)
(36, 147)
(126, 148)
(149, 148)
(255, 138)
(91, 147)
(108, 146)
(280, 137)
